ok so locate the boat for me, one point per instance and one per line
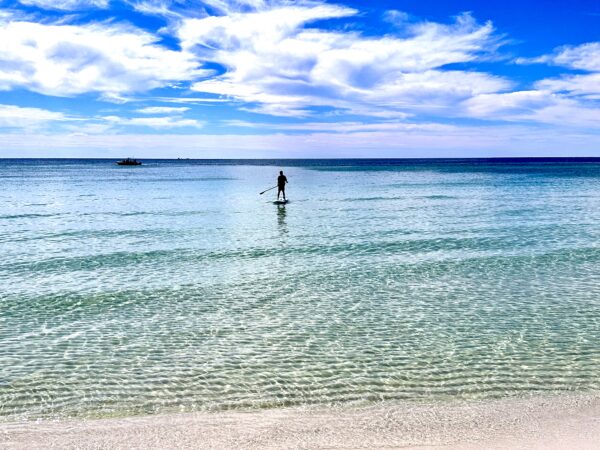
(129, 162)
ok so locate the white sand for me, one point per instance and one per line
(560, 422)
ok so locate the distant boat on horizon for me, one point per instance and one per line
(129, 162)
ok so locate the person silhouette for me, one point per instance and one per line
(281, 182)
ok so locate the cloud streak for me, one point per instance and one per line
(570, 99)
(163, 110)
(154, 122)
(66, 5)
(275, 61)
(582, 57)
(12, 116)
(514, 140)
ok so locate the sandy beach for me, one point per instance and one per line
(557, 422)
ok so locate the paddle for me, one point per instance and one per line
(267, 190)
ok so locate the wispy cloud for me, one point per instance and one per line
(277, 62)
(583, 57)
(189, 100)
(536, 106)
(342, 126)
(66, 5)
(15, 117)
(398, 18)
(12, 116)
(225, 7)
(586, 86)
(451, 141)
(163, 110)
(172, 9)
(569, 98)
(154, 122)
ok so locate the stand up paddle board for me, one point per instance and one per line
(280, 202)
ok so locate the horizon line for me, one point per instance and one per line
(321, 159)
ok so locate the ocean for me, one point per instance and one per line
(175, 286)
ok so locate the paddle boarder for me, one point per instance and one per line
(281, 182)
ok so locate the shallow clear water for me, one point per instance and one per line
(175, 286)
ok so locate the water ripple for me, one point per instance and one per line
(124, 297)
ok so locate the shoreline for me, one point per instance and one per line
(558, 421)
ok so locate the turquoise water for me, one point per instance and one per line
(174, 286)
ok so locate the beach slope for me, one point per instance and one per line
(556, 422)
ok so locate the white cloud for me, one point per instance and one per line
(87, 128)
(109, 59)
(569, 99)
(274, 61)
(343, 127)
(166, 8)
(190, 100)
(396, 17)
(164, 122)
(231, 6)
(163, 110)
(66, 5)
(582, 57)
(587, 86)
(507, 105)
(12, 116)
(535, 105)
(154, 122)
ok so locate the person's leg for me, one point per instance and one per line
(283, 191)
(278, 193)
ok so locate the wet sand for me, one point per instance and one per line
(558, 422)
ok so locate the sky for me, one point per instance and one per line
(299, 79)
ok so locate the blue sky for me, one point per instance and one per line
(257, 78)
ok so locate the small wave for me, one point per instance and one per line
(477, 248)
(371, 199)
(27, 216)
(439, 197)
(185, 180)
(91, 234)
(146, 213)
